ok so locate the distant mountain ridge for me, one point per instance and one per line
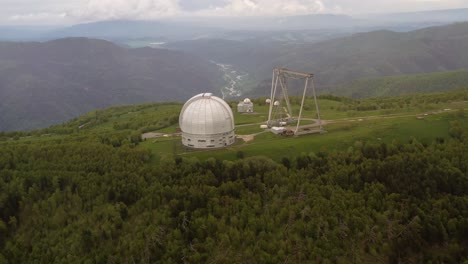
(130, 29)
(195, 28)
(47, 83)
(191, 28)
(439, 16)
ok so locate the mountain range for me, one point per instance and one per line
(314, 27)
(44, 83)
(47, 83)
(338, 61)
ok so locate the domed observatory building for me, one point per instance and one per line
(245, 106)
(206, 121)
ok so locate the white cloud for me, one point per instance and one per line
(266, 7)
(37, 16)
(155, 9)
(392, 6)
(76, 11)
(126, 9)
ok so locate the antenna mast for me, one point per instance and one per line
(280, 75)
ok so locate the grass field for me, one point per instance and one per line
(340, 135)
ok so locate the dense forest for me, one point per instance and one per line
(90, 190)
(82, 199)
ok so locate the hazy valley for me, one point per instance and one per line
(47, 83)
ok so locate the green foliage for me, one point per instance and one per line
(407, 84)
(88, 201)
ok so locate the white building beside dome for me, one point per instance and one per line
(245, 106)
(206, 121)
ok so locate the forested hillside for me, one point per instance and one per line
(90, 191)
(83, 201)
(48, 83)
(404, 84)
(384, 53)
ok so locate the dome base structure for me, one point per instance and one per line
(208, 141)
(206, 121)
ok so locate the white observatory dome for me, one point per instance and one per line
(206, 121)
(268, 101)
(247, 101)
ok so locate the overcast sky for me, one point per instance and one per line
(60, 12)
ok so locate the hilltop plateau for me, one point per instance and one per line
(387, 183)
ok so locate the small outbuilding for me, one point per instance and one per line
(245, 106)
(278, 130)
(206, 121)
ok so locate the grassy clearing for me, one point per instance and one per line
(352, 127)
(340, 136)
(247, 130)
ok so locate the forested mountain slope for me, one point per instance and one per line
(47, 83)
(384, 53)
(91, 190)
(339, 61)
(404, 84)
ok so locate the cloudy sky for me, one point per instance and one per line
(60, 12)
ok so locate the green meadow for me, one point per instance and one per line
(382, 120)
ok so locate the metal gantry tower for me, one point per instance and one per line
(280, 76)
